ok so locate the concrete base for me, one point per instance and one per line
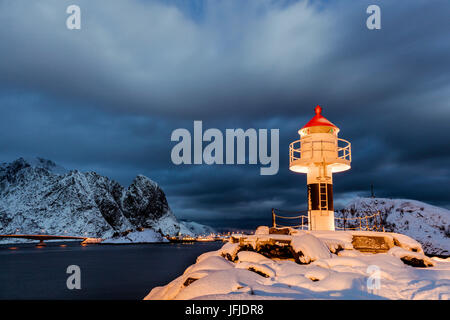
(372, 243)
(321, 220)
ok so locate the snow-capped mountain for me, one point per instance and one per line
(39, 197)
(430, 225)
(192, 227)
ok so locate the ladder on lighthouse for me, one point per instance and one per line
(323, 196)
(323, 191)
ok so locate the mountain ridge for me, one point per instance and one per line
(38, 196)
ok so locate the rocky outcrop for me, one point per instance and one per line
(144, 202)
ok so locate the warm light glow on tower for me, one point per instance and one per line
(319, 153)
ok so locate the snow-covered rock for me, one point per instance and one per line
(39, 197)
(430, 225)
(262, 230)
(229, 250)
(310, 248)
(261, 269)
(348, 275)
(412, 258)
(250, 256)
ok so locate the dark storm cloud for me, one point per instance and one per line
(107, 97)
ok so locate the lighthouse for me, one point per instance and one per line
(319, 153)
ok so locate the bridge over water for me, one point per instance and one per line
(42, 237)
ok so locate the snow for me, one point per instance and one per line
(229, 249)
(349, 253)
(261, 269)
(428, 224)
(334, 262)
(45, 164)
(334, 240)
(345, 275)
(191, 228)
(231, 280)
(146, 236)
(408, 255)
(262, 230)
(311, 248)
(210, 263)
(408, 243)
(249, 256)
(317, 273)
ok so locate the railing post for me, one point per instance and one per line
(380, 220)
(377, 221)
(273, 218)
(290, 154)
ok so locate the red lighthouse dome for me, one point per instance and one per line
(319, 120)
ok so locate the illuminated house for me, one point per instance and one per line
(319, 153)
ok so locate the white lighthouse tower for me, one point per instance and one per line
(319, 153)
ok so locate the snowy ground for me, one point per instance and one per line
(149, 235)
(146, 236)
(329, 269)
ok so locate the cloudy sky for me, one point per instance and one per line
(107, 97)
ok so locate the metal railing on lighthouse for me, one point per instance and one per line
(312, 146)
(299, 220)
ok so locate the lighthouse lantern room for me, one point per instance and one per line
(319, 153)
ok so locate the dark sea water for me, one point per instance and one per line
(107, 271)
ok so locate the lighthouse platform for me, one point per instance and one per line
(303, 246)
